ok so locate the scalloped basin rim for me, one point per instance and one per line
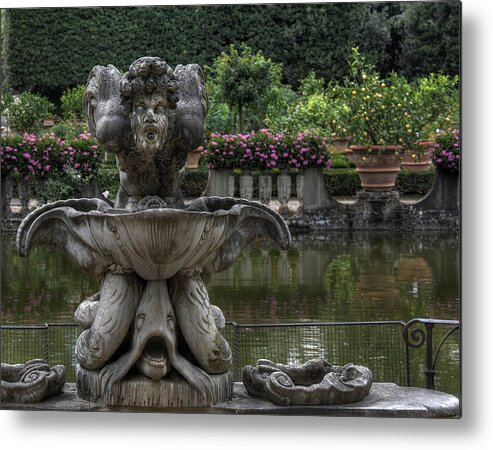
(154, 243)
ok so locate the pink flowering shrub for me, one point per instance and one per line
(34, 157)
(446, 152)
(28, 156)
(264, 150)
(81, 154)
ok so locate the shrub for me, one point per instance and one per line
(194, 183)
(27, 111)
(71, 100)
(342, 182)
(244, 80)
(263, 150)
(414, 183)
(42, 157)
(108, 178)
(29, 156)
(447, 150)
(67, 129)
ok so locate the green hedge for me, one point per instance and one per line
(50, 49)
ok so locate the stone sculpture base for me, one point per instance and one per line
(137, 390)
(384, 400)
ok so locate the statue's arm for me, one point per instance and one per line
(189, 116)
(105, 115)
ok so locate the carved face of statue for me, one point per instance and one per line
(149, 120)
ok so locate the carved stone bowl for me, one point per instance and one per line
(154, 243)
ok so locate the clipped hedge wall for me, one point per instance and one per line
(50, 49)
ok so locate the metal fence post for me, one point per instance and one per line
(429, 371)
(46, 344)
(236, 351)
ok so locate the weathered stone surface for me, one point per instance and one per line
(139, 391)
(283, 192)
(221, 183)
(150, 263)
(265, 188)
(383, 400)
(380, 210)
(246, 186)
(315, 382)
(153, 312)
(444, 194)
(315, 195)
(5, 197)
(31, 382)
(151, 117)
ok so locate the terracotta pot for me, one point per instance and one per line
(377, 165)
(193, 158)
(421, 161)
(341, 143)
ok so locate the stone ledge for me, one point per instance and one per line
(384, 400)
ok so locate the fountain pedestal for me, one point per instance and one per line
(136, 390)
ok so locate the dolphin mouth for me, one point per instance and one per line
(155, 352)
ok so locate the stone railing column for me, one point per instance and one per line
(283, 191)
(6, 197)
(265, 188)
(246, 185)
(221, 183)
(315, 195)
(24, 190)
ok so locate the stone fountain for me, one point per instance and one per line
(151, 336)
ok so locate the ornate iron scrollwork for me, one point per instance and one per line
(417, 337)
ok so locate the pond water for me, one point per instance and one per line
(332, 278)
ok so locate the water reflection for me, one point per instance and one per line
(342, 278)
(351, 279)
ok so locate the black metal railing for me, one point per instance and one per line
(416, 337)
(385, 347)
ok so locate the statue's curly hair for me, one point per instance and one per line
(146, 75)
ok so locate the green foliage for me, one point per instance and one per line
(374, 35)
(5, 101)
(244, 80)
(414, 183)
(346, 182)
(194, 183)
(63, 44)
(430, 38)
(340, 161)
(376, 106)
(108, 178)
(67, 129)
(52, 189)
(342, 182)
(25, 113)
(71, 100)
(318, 107)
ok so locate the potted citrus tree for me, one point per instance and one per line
(431, 103)
(375, 125)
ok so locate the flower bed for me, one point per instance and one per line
(32, 157)
(264, 150)
(446, 154)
